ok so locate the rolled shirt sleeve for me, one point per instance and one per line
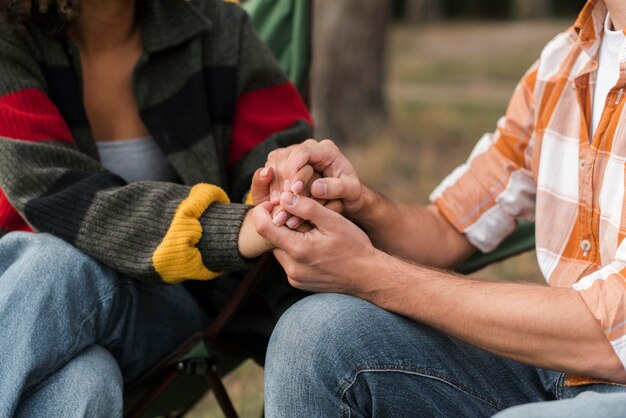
(485, 196)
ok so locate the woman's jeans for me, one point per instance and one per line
(337, 356)
(72, 331)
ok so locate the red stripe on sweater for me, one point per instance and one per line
(10, 220)
(30, 115)
(261, 113)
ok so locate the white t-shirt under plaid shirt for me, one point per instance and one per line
(541, 165)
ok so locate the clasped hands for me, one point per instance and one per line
(306, 196)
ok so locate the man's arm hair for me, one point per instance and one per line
(415, 233)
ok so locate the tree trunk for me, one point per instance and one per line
(528, 9)
(348, 68)
(417, 11)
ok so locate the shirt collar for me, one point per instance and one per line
(590, 25)
(167, 23)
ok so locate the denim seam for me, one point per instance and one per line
(422, 373)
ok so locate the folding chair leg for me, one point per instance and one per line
(153, 394)
(219, 390)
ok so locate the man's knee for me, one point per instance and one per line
(323, 334)
(320, 320)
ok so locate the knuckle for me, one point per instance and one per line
(293, 282)
(329, 144)
(338, 187)
(308, 208)
(261, 228)
(291, 269)
(299, 253)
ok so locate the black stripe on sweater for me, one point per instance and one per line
(61, 210)
(206, 99)
(65, 91)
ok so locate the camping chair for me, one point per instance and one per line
(521, 240)
(173, 386)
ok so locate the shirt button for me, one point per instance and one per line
(582, 164)
(585, 245)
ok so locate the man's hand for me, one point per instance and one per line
(332, 257)
(296, 163)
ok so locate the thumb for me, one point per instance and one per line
(259, 189)
(331, 188)
(309, 210)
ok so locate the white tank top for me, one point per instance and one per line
(136, 159)
(608, 70)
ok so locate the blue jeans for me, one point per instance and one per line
(73, 331)
(337, 356)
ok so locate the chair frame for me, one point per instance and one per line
(171, 369)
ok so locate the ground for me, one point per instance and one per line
(447, 85)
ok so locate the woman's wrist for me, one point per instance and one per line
(251, 244)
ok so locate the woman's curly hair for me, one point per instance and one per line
(54, 15)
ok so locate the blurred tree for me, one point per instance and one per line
(423, 10)
(409, 10)
(347, 75)
(527, 9)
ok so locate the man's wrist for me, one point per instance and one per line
(372, 212)
(383, 279)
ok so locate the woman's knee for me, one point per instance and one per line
(43, 262)
(90, 384)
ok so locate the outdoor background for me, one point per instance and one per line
(446, 70)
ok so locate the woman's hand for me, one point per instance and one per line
(339, 183)
(260, 187)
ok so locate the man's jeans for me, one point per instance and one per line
(72, 331)
(337, 356)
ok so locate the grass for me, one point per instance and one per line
(447, 85)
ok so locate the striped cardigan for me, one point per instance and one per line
(211, 95)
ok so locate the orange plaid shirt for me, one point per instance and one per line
(541, 165)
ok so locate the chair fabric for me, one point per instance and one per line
(521, 240)
(284, 25)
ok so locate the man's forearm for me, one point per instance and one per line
(415, 233)
(538, 325)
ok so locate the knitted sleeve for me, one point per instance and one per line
(269, 112)
(153, 231)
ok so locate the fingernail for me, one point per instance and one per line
(319, 189)
(275, 196)
(289, 199)
(280, 218)
(297, 187)
(265, 172)
(293, 222)
(286, 185)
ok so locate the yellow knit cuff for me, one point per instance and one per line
(177, 258)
